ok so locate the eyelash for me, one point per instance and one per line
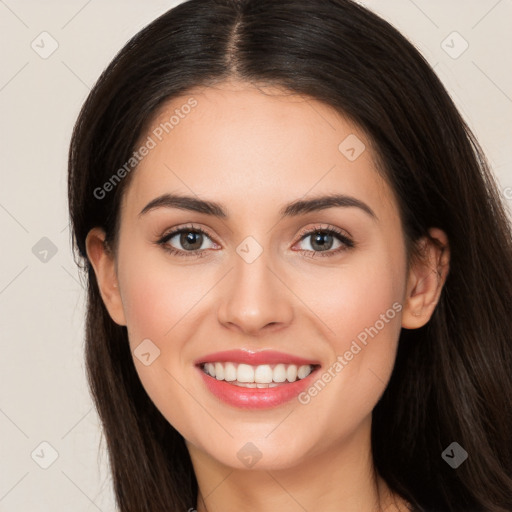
(347, 242)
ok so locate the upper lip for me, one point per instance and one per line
(254, 358)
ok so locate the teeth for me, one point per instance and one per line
(244, 373)
(255, 384)
(302, 372)
(261, 376)
(291, 373)
(246, 384)
(219, 371)
(229, 372)
(210, 369)
(279, 373)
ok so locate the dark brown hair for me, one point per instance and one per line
(452, 377)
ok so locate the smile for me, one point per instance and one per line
(261, 376)
(256, 380)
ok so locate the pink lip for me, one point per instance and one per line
(254, 358)
(255, 398)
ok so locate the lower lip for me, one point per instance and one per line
(255, 398)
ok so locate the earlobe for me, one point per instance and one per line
(426, 280)
(103, 263)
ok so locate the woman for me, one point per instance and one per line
(299, 269)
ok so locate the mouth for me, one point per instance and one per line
(256, 380)
(263, 376)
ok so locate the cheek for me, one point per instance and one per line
(160, 301)
(157, 296)
(360, 308)
(356, 296)
(364, 308)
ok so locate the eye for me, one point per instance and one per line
(322, 240)
(189, 239)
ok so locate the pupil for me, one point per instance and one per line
(322, 245)
(188, 239)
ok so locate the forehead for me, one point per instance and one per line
(245, 146)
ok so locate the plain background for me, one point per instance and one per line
(44, 395)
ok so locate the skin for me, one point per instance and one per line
(254, 150)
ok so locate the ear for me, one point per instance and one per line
(426, 279)
(103, 263)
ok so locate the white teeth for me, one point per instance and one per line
(245, 373)
(291, 373)
(210, 369)
(246, 384)
(255, 385)
(229, 372)
(219, 371)
(302, 372)
(279, 374)
(261, 376)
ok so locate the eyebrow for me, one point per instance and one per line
(293, 209)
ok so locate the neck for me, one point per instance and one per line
(342, 479)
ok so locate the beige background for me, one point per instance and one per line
(44, 395)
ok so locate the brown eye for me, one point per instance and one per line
(322, 240)
(191, 240)
(186, 241)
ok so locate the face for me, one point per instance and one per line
(270, 322)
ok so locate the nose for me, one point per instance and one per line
(255, 298)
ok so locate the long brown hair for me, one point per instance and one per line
(452, 378)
